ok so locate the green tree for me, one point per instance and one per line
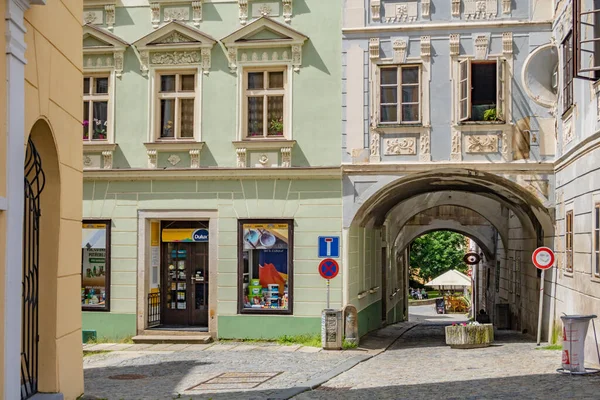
(437, 252)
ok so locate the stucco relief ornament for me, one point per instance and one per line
(455, 154)
(505, 150)
(425, 8)
(176, 37)
(194, 158)
(206, 60)
(108, 159)
(263, 160)
(176, 14)
(155, 14)
(243, 6)
(374, 144)
(296, 57)
(176, 57)
(400, 146)
(144, 58)
(287, 11)
(375, 10)
(424, 151)
(110, 16)
(286, 157)
(480, 9)
(265, 10)
(232, 58)
(90, 17)
(174, 159)
(197, 12)
(482, 143)
(87, 161)
(241, 158)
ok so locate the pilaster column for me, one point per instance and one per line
(15, 161)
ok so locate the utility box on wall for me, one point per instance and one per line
(331, 329)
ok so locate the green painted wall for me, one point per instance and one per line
(369, 318)
(269, 327)
(314, 205)
(109, 325)
(317, 119)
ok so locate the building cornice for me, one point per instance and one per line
(448, 25)
(417, 167)
(214, 174)
(579, 150)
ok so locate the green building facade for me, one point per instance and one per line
(212, 136)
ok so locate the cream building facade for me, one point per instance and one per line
(40, 93)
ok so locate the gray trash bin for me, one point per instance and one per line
(331, 329)
(574, 332)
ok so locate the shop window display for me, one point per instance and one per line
(266, 266)
(95, 265)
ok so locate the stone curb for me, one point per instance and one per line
(316, 382)
(338, 370)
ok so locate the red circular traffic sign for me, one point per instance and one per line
(329, 268)
(543, 258)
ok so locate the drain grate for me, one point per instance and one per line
(127, 377)
(235, 380)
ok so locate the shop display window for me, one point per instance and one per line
(265, 266)
(95, 266)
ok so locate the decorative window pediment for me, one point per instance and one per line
(265, 41)
(175, 44)
(102, 50)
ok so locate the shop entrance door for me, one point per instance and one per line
(185, 276)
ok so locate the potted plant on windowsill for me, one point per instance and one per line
(86, 125)
(100, 129)
(276, 127)
(490, 115)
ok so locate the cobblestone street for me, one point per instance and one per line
(419, 366)
(416, 365)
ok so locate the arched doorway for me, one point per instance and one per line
(41, 230)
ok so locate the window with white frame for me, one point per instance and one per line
(482, 90)
(265, 92)
(586, 32)
(175, 105)
(567, 58)
(400, 94)
(569, 240)
(596, 248)
(95, 107)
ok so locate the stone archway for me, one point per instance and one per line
(376, 216)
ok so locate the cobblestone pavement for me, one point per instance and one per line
(169, 371)
(419, 366)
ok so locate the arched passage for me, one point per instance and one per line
(517, 221)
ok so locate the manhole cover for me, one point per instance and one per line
(235, 380)
(127, 377)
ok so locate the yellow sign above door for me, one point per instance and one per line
(185, 235)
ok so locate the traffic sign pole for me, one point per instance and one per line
(543, 258)
(328, 282)
(539, 330)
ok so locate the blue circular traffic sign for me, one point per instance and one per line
(329, 268)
